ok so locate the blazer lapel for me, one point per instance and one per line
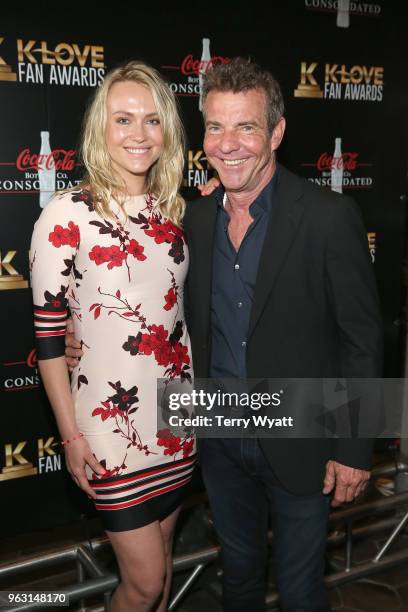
(203, 235)
(286, 213)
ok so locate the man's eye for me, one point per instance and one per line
(247, 128)
(213, 128)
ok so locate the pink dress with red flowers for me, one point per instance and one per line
(122, 281)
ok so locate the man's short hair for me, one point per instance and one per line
(241, 75)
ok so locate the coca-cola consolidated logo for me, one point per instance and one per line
(60, 159)
(344, 9)
(191, 70)
(43, 172)
(21, 375)
(339, 170)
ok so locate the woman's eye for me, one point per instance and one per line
(154, 121)
(123, 120)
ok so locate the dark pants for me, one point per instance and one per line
(243, 490)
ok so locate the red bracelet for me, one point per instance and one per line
(77, 437)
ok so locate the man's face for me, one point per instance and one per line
(237, 141)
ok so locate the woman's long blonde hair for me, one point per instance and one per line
(165, 176)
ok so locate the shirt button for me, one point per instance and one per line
(243, 344)
(236, 266)
(239, 304)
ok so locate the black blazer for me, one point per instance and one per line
(315, 312)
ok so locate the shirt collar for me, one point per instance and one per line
(263, 201)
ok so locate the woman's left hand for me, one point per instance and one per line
(209, 187)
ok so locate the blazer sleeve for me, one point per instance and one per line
(354, 300)
(54, 244)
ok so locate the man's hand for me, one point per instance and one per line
(346, 481)
(73, 351)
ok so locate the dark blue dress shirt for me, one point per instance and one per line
(233, 285)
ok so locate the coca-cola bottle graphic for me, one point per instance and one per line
(205, 59)
(46, 170)
(343, 14)
(337, 168)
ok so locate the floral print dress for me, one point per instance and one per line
(122, 281)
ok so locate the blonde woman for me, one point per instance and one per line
(112, 252)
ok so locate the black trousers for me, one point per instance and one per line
(243, 491)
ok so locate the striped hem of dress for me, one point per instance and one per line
(132, 489)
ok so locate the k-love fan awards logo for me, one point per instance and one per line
(21, 375)
(30, 458)
(196, 168)
(339, 170)
(344, 9)
(27, 457)
(39, 62)
(39, 172)
(340, 82)
(191, 71)
(372, 244)
(10, 278)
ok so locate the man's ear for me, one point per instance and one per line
(278, 133)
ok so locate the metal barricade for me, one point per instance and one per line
(93, 579)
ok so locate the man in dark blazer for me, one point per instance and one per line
(280, 285)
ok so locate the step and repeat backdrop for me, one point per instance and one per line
(342, 67)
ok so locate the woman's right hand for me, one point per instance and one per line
(77, 455)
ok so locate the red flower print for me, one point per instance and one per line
(163, 434)
(116, 257)
(161, 232)
(180, 355)
(73, 234)
(57, 236)
(163, 354)
(147, 344)
(178, 231)
(98, 255)
(188, 447)
(173, 446)
(104, 412)
(171, 442)
(171, 299)
(136, 249)
(65, 235)
(111, 254)
(160, 332)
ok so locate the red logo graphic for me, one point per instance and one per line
(60, 159)
(346, 161)
(339, 170)
(32, 359)
(189, 65)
